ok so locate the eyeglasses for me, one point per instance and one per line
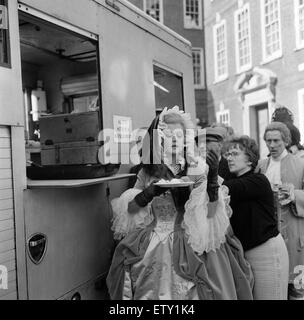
(232, 154)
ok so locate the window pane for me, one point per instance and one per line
(221, 50)
(197, 67)
(4, 45)
(192, 14)
(224, 117)
(168, 89)
(243, 41)
(272, 27)
(300, 22)
(153, 9)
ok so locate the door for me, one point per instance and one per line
(259, 119)
(69, 242)
(7, 234)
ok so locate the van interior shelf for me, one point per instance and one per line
(47, 184)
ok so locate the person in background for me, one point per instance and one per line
(286, 175)
(254, 221)
(282, 114)
(215, 138)
(229, 130)
(295, 147)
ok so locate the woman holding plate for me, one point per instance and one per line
(177, 242)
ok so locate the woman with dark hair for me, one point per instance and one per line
(282, 114)
(176, 242)
(254, 221)
(295, 147)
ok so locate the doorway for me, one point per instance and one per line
(259, 119)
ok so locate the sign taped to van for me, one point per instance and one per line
(122, 129)
(3, 17)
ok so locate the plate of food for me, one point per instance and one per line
(174, 183)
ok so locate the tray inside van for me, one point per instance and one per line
(71, 171)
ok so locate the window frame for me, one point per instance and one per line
(299, 42)
(248, 66)
(178, 74)
(201, 53)
(224, 76)
(7, 64)
(223, 113)
(200, 16)
(161, 10)
(279, 53)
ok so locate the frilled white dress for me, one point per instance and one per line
(169, 255)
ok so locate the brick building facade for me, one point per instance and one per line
(186, 18)
(255, 59)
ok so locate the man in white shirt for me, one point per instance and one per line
(286, 175)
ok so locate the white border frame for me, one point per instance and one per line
(200, 11)
(279, 53)
(161, 10)
(202, 84)
(247, 67)
(167, 68)
(301, 112)
(225, 75)
(299, 43)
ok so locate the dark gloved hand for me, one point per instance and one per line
(146, 196)
(212, 160)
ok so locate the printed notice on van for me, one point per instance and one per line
(3, 17)
(122, 129)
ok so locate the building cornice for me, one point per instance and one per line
(222, 10)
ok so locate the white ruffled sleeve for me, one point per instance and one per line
(123, 221)
(206, 234)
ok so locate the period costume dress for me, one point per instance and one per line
(173, 249)
(158, 261)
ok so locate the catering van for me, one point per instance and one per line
(68, 70)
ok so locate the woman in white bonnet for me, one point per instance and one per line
(176, 242)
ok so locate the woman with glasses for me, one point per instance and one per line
(254, 221)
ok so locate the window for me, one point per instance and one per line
(4, 37)
(193, 14)
(220, 51)
(271, 29)
(63, 110)
(301, 112)
(299, 22)
(243, 39)
(154, 8)
(223, 117)
(197, 55)
(168, 86)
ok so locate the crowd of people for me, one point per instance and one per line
(232, 230)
